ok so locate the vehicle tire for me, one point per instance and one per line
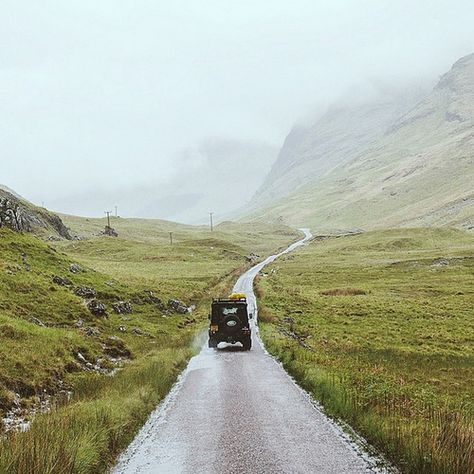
(232, 324)
(212, 343)
(247, 343)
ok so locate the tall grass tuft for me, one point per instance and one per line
(85, 435)
(420, 439)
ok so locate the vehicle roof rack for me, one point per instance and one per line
(229, 300)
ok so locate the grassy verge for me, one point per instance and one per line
(53, 348)
(379, 327)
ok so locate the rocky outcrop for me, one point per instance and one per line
(178, 306)
(22, 216)
(97, 308)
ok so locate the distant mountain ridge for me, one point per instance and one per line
(216, 175)
(381, 165)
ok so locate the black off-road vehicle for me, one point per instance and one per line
(230, 321)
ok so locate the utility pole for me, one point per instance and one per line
(212, 224)
(116, 211)
(171, 238)
(108, 217)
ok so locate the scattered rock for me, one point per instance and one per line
(85, 292)
(289, 320)
(75, 268)
(178, 306)
(137, 331)
(19, 417)
(53, 238)
(97, 308)
(87, 365)
(81, 358)
(299, 338)
(90, 331)
(61, 281)
(37, 321)
(147, 297)
(122, 329)
(110, 231)
(440, 262)
(252, 257)
(122, 307)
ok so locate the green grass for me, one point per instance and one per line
(84, 435)
(42, 329)
(379, 327)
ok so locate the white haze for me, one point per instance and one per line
(102, 101)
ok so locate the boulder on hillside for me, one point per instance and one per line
(178, 306)
(85, 292)
(75, 268)
(61, 281)
(97, 308)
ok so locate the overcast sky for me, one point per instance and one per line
(107, 93)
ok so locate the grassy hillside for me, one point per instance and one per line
(102, 375)
(252, 237)
(379, 327)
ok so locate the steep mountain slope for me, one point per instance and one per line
(336, 137)
(419, 172)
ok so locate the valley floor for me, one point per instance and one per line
(379, 327)
(99, 376)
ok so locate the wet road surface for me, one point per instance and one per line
(236, 411)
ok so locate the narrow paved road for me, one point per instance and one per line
(240, 412)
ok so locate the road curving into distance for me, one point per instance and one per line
(234, 411)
